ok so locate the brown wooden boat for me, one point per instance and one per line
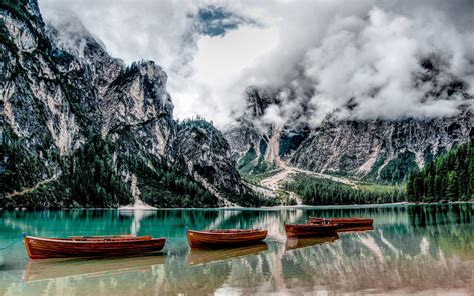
(343, 222)
(311, 229)
(84, 246)
(225, 237)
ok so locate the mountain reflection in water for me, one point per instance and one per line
(423, 248)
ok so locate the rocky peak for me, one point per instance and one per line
(258, 100)
(260, 140)
(206, 155)
(69, 34)
(136, 96)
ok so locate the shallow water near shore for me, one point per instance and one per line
(426, 249)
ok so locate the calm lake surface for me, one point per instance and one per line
(426, 249)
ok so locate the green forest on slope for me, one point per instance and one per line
(449, 177)
(317, 191)
(89, 178)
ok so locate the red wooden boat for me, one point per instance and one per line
(95, 246)
(311, 229)
(225, 237)
(343, 222)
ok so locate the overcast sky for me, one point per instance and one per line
(327, 52)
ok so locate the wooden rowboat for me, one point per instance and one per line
(343, 222)
(224, 237)
(83, 246)
(304, 230)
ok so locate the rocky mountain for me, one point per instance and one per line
(80, 128)
(382, 150)
(206, 155)
(385, 150)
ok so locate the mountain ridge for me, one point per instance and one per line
(380, 150)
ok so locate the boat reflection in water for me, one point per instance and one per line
(46, 269)
(297, 243)
(202, 256)
(302, 242)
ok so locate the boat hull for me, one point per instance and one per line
(355, 229)
(224, 238)
(43, 248)
(343, 222)
(308, 230)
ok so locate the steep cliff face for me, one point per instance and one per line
(40, 116)
(380, 149)
(206, 155)
(80, 128)
(247, 133)
(138, 99)
(251, 139)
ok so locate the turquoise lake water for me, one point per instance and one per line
(426, 249)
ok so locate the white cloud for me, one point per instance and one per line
(216, 86)
(322, 52)
(374, 61)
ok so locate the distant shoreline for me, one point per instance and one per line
(296, 207)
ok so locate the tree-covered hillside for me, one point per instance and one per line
(449, 177)
(316, 191)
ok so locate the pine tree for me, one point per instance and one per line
(470, 177)
(418, 185)
(411, 186)
(452, 191)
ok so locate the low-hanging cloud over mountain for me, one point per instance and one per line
(350, 59)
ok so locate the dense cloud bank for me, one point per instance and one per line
(351, 59)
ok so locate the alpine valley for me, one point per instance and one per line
(80, 128)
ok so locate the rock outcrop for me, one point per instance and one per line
(206, 153)
(384, 150)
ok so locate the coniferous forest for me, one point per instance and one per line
(449, 177)
(316, 191)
